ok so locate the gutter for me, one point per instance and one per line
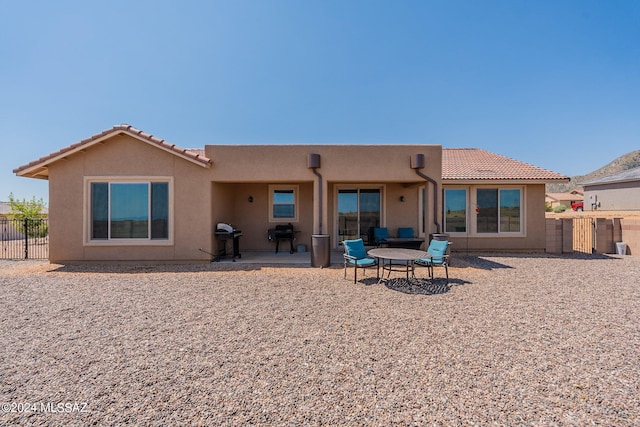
(417, 163)
(313, 162)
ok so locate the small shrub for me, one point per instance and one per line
(560, 208)
(28, 215)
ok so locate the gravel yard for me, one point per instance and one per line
(516, 340)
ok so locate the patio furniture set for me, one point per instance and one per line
(395, 259)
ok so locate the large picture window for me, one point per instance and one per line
(498, 210)
(121, 211)
(283, 203)
(483, 211)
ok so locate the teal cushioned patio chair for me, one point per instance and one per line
(380, 235)
(438, 257)
(405, 232)
(355, 255)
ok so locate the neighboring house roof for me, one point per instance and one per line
(565, 196)
(5, 208)
(629, 175)
(38, 168)
(462, 164)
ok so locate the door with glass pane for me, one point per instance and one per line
(359, 209)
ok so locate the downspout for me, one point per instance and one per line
(313, 162)
(417, 163)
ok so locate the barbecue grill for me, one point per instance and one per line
(228, 233)
(282, 232)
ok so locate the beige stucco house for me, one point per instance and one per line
(565, 199)
(126, 195)
(617, 192)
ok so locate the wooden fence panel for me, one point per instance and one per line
(583, 229)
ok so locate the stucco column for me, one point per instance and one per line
(432, 217)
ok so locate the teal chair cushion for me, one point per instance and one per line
(431, 261)
(380, 234)
(364, 262)
(405, 232)
(355, 248)
(437, 249)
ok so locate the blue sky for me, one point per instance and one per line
(553, 83)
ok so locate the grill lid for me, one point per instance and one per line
(222, 226)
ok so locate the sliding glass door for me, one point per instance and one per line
(359, 209)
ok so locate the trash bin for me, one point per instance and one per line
(438, 236)
(320, 250)
(621, 248)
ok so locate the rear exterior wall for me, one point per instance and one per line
(532, 240)
(124, 156)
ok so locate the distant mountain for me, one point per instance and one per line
(621, 164)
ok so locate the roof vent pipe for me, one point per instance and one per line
(313, 162)
(417, 162)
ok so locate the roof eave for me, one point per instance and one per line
(31, 170)
(617, 181)
(39, 173)
(515, 181)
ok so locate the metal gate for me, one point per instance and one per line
(24, 238)
(583, 235)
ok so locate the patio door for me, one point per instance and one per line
(358, 210)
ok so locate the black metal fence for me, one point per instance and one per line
(24, 238)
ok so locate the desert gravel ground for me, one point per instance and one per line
(516, 340)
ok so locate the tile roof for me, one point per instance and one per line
(37, 168)
(463, 164)
(457, 163)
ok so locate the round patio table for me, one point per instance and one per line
(405, 256)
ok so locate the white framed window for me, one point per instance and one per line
(131, 210)
(455, 212)
(482, 211)
(283, 203)
(499, 211)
